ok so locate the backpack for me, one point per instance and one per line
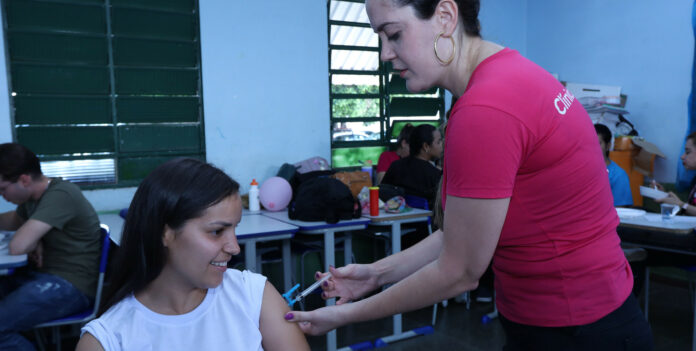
(323, 199)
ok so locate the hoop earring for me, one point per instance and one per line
(437, 55)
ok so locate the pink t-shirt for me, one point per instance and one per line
(517, 133)
(385, 160)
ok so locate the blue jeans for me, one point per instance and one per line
(30, 298)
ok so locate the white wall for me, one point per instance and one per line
(646, 47)
(265, 90)
(266, 86)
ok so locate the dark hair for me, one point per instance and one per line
(604, 132)
(421, 134)
(692, 137)
(175, 192)
(15, 160)
(468, 12)
(405, 134)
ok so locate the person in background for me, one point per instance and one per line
(618, 179)
(688, 158)
(402, 150)
(59, 229)
(524, 185)
(172, 289)
(417, 174)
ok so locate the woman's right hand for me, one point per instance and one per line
(349, 283)
(656, 185)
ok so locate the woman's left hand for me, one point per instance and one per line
(671, 198)
(319, 321)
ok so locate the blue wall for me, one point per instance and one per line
(644, 46)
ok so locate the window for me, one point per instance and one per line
(103, 91)
(369, 102)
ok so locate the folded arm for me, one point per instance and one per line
(27, 237)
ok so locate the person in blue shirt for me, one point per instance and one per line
(618, 179)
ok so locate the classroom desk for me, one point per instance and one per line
(328, 231)
(395, 220)
(9, 262)
(254, 228)
(650, 232)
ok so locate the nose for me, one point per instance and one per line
(682, 157)
(386, 54)
(232, 246)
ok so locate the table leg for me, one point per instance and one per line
(396, 247)
(250, 256)
(348, 249)
(330, 260)
(399, 334)
(287, 265)
(693, 334)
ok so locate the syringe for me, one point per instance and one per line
(291, 301)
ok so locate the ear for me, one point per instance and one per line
(25, 180)
(168, 236)
(447, 16)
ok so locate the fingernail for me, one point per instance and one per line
(317, 275)
(289, 316)
(326, 283)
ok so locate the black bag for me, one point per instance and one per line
(324, 199)
(301, 178)
(387, 191)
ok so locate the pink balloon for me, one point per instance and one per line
(275, 194)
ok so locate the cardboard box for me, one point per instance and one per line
(644, 156)
(608, 94)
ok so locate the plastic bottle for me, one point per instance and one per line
(254, 205)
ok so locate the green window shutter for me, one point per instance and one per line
(105, 86)
(368, 102)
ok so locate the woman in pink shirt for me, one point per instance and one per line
(524, 185)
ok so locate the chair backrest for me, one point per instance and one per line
(419, 202)
(102, 267)
(88, 315)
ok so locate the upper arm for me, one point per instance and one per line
(88, 343)
(10, 221)
(471, 232)
(276, 332)
(27, 236)
(380, 176)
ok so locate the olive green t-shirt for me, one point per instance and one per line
(71, 248)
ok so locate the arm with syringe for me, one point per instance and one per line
(299, 297)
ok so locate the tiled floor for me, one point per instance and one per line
(460, 329)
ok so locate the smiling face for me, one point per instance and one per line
(689, 156)
(407, 42)
(198, 252)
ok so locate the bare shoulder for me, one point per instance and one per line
(277, 333)
(89, 343)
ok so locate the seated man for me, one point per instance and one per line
(59, 229)
(618, 179)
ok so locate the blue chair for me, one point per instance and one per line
(91, 312)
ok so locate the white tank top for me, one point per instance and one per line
(228, 318)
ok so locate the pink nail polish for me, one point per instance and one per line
(289, 316)
(326, 284)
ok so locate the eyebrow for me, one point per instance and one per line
(222, 223)
(381, 26)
